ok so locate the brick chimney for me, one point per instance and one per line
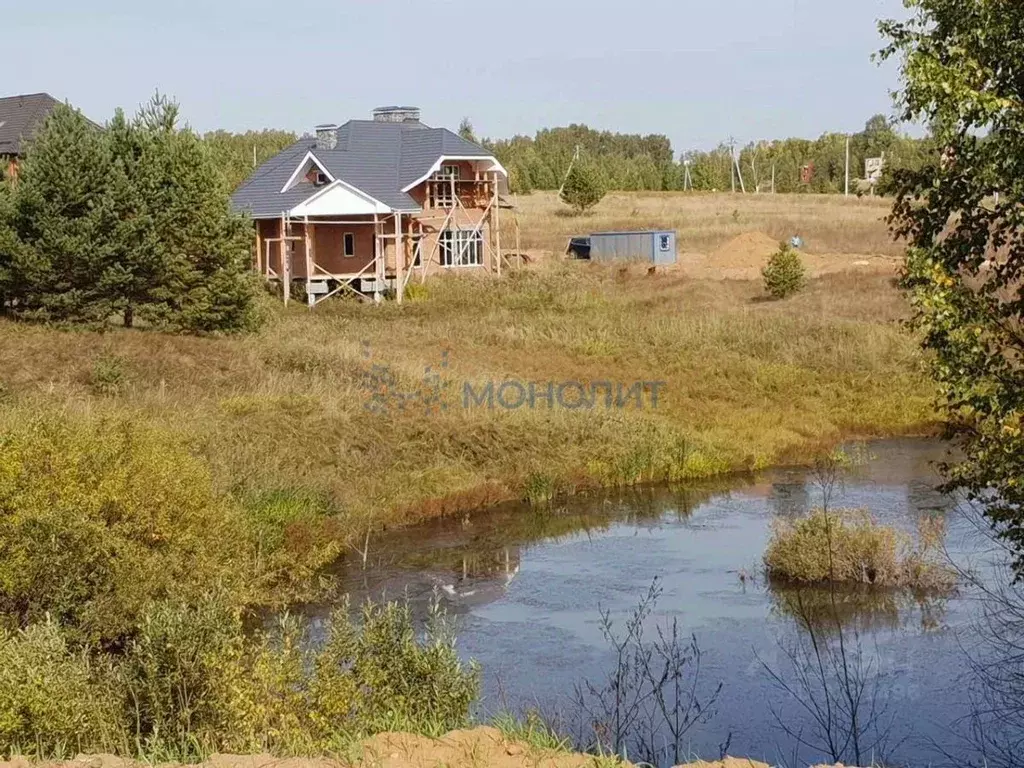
(396, 114)
(326, 136)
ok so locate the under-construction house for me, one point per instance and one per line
(371, 205)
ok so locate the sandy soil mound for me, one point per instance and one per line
(459, 749)
(728, 762)
(743, 258)
(477, 747)
(747, 251)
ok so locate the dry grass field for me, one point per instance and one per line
(829, 224)
(363, 405)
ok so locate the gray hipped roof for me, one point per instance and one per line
(21, 117)
(377, 158)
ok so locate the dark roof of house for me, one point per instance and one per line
(378, 158)
(20, 117)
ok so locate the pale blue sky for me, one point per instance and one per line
(696, 70)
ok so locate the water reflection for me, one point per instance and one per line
(858, 607)
(528, 583)
(473, 562)
(830, 675)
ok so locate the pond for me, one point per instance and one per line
(527, 587)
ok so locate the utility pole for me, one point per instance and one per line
(739, 172)
(575, 157)
(847, 166)
(732, 163)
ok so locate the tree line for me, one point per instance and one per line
(629, 162)
(237, 155)
(131, 222)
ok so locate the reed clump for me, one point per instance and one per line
(852, 547)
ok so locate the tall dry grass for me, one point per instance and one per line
(746, 384)
(827, 223)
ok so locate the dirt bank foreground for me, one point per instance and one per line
(476, 748)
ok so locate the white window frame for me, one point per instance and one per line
(344, 245)
(452, 244)
(443, 188)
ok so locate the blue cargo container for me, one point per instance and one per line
(649, 247)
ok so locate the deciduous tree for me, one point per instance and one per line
(237, 155)
(963, 216)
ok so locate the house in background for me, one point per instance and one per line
(20, 118)
(369, 205)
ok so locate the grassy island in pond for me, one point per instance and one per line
(851, 547)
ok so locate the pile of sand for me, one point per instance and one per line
(463, 749)
(727, 762)
(747, 251)
(459, 749)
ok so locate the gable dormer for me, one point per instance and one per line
(310, 170)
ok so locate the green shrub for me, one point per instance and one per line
(56, 702)
(852, 547)
(102, 520)
(198, 683)
(540, 488)
(109, 375)
(177, 672)
(376, 675)
(784, 274)
(296, 535)
(195, 680)
(417, 292)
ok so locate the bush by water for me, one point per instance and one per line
(847, 546)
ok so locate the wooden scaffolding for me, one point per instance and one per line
(415, 240)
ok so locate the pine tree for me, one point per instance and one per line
(584, 187)
(63, 222)
(133, 221)
(131, 270)
(466, 130)
(197, 250)
(9, 243)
